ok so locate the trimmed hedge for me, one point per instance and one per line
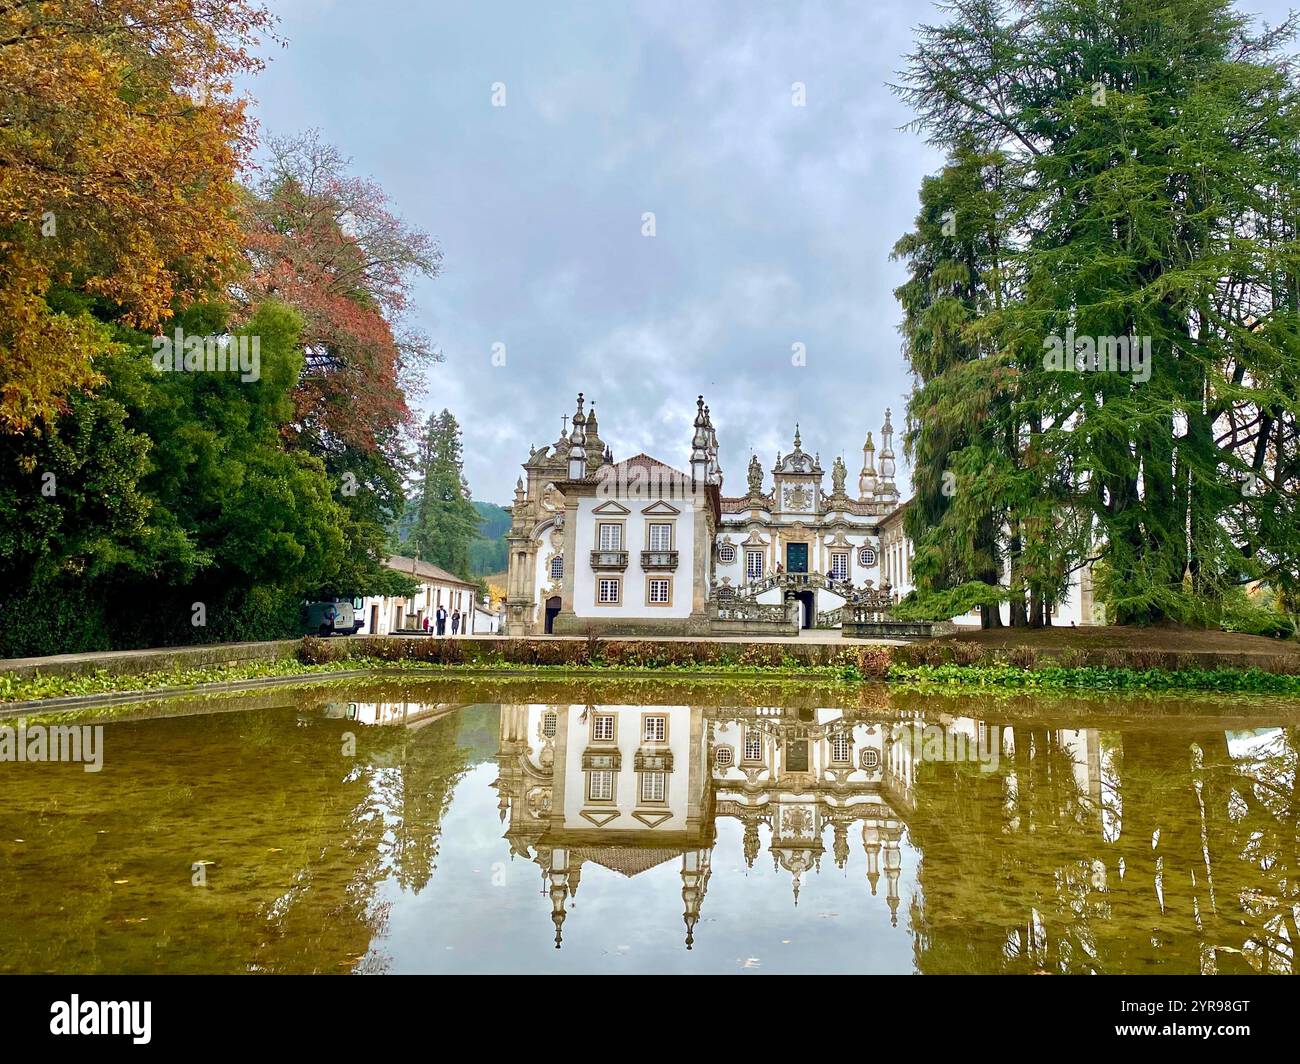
(869, 662)
(944, 661)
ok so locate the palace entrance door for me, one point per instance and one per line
(796, 557)
(808, 616)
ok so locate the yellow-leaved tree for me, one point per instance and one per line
(121, 135)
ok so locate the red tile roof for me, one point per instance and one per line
(425, 570)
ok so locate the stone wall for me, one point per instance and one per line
(137, 662)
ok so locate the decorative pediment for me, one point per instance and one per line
(611, 509)
(599, 817)
(661, 508)
(652, 819)
(754, 540)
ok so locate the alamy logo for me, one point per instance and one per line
(1098, 354)
(75, 743)
(179, 353)
(103, 1017)
(932, 742)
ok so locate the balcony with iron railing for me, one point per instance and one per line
(609, 560)
(659, 559)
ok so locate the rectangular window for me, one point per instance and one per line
(840, 565)
(602, 728)
(655, 729)
(548, 725)
(600, 786)
(610, 537)
(653, 785)
(840, 747)
(661, 536)
(753, 746)
(660, 591)
(754, 564)
(609, 591)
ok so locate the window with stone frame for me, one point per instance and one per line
(754, 564)
(654, 786)
(841, 747)
(600, 786)
(839, 565)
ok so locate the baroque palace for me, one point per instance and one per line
(638, 547)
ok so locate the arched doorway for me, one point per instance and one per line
(552, 609)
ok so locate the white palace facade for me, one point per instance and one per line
(629, 788)
(636, 547)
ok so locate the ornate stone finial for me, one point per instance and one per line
(797, 442)
(887, 466)
(755, 476)
(577, 444)
(700, 441)
(838, 474)
(867, 478)
(592, 442)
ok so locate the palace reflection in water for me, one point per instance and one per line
(439, 826)
(633, 787)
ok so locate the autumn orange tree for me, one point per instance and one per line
(120, 141)
(327, 243)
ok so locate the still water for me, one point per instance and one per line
(634, 826)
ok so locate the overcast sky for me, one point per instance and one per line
(773, 222)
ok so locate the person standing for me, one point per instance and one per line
(455, 622)
(442, 620)
(426, 625)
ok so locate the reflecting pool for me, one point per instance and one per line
(644, 826)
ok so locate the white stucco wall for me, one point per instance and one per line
(415, 609)
(627, 794)
(635, 531)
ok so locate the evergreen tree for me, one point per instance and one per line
(445, 520)
(1154, 151)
